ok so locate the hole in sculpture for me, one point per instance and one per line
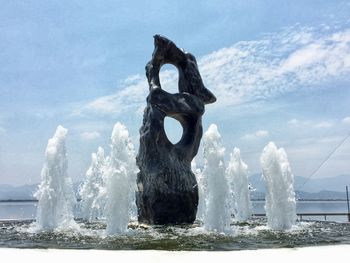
(173, 130)
(169, 78)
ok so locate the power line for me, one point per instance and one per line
(325, 160)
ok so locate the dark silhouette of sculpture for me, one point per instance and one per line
(167, 188)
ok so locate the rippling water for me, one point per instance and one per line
(252, 235)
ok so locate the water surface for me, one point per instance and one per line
(17, 230)
(251, 235)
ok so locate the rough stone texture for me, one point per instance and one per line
(167, 188)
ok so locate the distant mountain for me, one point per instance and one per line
(313, 185)
(24, 192)
(336, 183)
(324, 195)
(321, 195)
(314, 188)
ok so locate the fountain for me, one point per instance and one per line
(237, 174)
(120, 181)
(280, 197)
(56, 198)
(201, 183)
(163, 185)
(92, 191)
(167, 189)
(217, 212)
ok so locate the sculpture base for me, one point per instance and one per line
(162, 202)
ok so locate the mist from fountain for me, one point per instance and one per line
(56, 198)
(237, 175)
(92, 192)
(217, 216)
(280, 196)
(120, 181)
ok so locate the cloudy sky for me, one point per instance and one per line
(280, 71)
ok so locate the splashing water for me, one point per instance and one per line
(237, 174)
(92, 191)
(280, 196)
(217, 213)
(109, 189)
(120, 181)
(56, 198)
(201, 190)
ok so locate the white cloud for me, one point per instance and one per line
(323, 125)
(293, 122)
(99, 125)
(291, 59)
(323, 58)
(311, 124)
(262, 133)
(130, 80)
(90, 135)
(126, 99)
(304, 57)
(346, 120)
(255, 135)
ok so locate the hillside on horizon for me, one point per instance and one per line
(314, 188)
(313, 185)
(23, 192)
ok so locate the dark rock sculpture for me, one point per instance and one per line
(167, 188)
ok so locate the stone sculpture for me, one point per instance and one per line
(167, 188)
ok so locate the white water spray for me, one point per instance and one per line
(201, 190)
(217, 213)
(237, 174)
(56, 198)
(92, 191)
(280, 196)
(120, 181)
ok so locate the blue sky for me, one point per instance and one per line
(280, 71)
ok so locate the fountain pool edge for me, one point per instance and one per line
(318, 253)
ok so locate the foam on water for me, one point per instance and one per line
(93, 189)
(237, 174)
(280, 196)
(217, 215)
(120, 181)
(56, 198)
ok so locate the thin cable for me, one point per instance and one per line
(325, 160)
